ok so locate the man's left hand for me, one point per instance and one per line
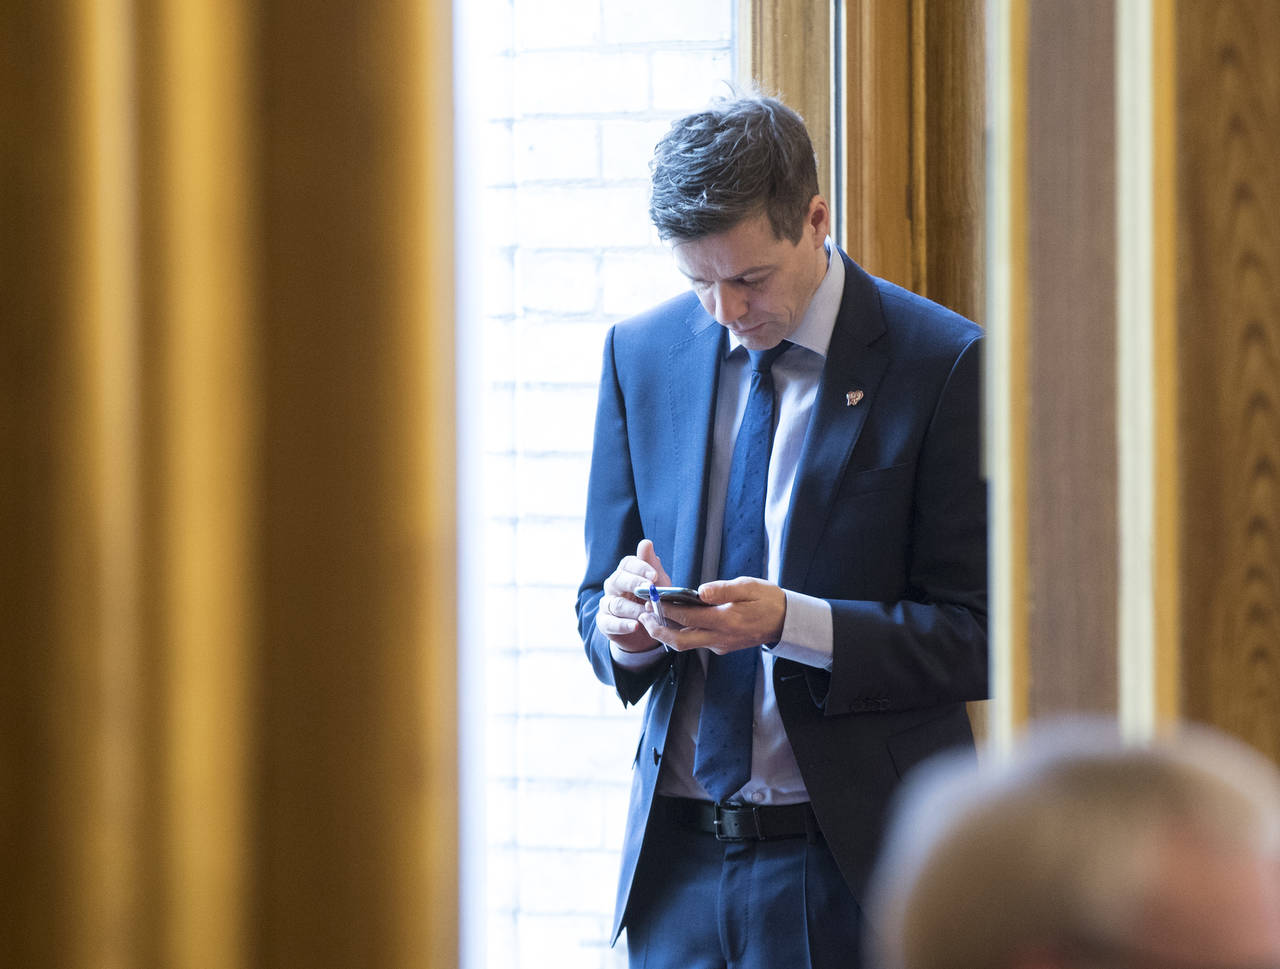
(739, 613)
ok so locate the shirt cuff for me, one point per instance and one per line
(807, 631)
(636, 661)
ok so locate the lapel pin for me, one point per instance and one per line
(852, 397)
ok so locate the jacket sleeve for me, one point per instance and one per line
(930, 646)
(613, 529)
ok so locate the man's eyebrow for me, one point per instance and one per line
(751, 270)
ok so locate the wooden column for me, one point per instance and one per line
(227, 604)
(912, 119)
(953, 119)
(883, 121)
(786, 48)
(1053, 421)
(72, 676)
(357, 817)
(1228, 364)
(1137, 280)
(1072, 538)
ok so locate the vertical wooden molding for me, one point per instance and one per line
(1168, 551)
(358, 815)
(430, 907)
(920, 98)
(1007, 400)
(914, 122)
(1135, 367)
(198, 352)
(69, 664)
(950, 153)
(879, 124)
(1072, 518)
(99, 513)
(1146, 371)
(786, 48)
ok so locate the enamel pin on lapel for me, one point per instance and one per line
(852, 397)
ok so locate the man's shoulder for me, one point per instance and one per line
(679, 315)
(911, 315)
(670, 322)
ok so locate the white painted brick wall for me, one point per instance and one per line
(578, 82)
(567, 354)
(556, 149)
(555, 417)
(557, 24)
(574, 94)
(659, 24)
(566, 942)
(676, 73)
(626, 145)
(549, 281)
(554, 484)
(587, 215)
(636, 278)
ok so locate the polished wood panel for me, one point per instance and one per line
(785, 47)
(1229, 364)
(883, 192)
(914, 119)
(1006, 390)
(70, 736)
(953, 160)
(358, 813)
(227, 593)
(1072, 534)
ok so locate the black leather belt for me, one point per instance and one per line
(742, 822)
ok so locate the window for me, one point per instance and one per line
(562, 104)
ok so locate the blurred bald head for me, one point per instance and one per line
(1082, 851)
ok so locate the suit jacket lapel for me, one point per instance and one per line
(852, 365)
(693, 375)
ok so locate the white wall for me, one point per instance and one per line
(562, 102)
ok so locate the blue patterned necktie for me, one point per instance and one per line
(722, 760)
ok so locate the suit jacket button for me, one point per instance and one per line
(656, 755)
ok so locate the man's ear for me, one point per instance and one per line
(819, 218)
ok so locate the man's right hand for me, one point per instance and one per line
(620, 608)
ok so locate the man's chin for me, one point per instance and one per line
(763, 337)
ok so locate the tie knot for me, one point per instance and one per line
(762, 360)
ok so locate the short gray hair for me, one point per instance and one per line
(1057, 845)
(740, 157)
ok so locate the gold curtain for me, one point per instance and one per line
(227, 653)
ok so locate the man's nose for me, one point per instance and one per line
(729, 304)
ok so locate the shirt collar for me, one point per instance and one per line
(814, 331)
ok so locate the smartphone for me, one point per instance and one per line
(672, 594)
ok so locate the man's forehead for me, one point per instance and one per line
(736, 252)
(708, 271)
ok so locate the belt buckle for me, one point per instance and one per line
(719, 818)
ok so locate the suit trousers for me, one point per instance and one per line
(700, 903)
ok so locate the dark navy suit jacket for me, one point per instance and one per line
(887, 522)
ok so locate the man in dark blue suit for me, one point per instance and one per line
(799, 442)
